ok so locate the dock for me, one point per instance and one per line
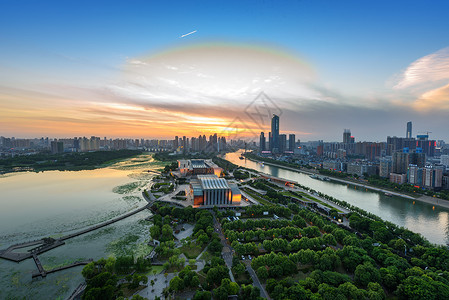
(14, 254)
(42, 272)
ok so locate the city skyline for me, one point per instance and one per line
(127, 73)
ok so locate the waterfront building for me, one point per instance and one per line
(385, 167)
(209, 190)
(415, 175)
(400, 162)
(398, 178)
(197, 167)
(433, 177)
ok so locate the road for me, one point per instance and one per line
(255, 279)
(227, 252)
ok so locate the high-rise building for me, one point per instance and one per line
(262, 142)
(414, 175)
(56, 147)
(433, 177)
(275, 133)
(417, 158)
(175, 143)
(347, 136)
(409, 130)
(270, 141)
(444, 160)
(400, 162)
(282, 143)
(291, 142)
(385, 167)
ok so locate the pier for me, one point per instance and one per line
(18, 252)
(42, 272)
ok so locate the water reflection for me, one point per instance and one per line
(431, 222)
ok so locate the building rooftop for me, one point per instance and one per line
(212, 182)
(198, 164)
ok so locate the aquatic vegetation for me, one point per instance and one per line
(129, 187)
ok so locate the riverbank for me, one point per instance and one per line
(424, 199)
(76, 161)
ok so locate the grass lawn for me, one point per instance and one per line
(206, 256)
(192, 250)
(127, 292)
(158, 270)
(258, 198)
(243, 279)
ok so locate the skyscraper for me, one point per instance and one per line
(409, 130)
(282, 143)
(275, 133)
(262, 142)
(347, 136)
(175, 143)
(291, 142)
(270, 141)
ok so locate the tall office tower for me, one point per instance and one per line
(262, 142)
(175, 143)
(282, 143)
(184, 143)
(291, 142)
(347, 136)
(275, 133)
(409, 130)
(270, 141)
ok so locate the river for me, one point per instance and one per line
(431, 222)
(55, 203)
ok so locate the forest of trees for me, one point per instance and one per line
(66, 161)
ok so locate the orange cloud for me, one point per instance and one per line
(437, 99)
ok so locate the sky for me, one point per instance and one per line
(122, 69)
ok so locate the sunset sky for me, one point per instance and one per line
(121, 68)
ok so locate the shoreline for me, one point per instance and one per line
(425, 199)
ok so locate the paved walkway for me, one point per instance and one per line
(255, 279)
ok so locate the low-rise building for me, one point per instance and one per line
(198, 167)
(398, 178)
(209, 190)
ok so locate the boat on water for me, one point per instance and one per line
(388, 194)
(324, 178)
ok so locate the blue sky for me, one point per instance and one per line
(356, 49)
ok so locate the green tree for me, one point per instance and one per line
(155, 232)
(365, 274)
(262, 272)
(176, 284)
